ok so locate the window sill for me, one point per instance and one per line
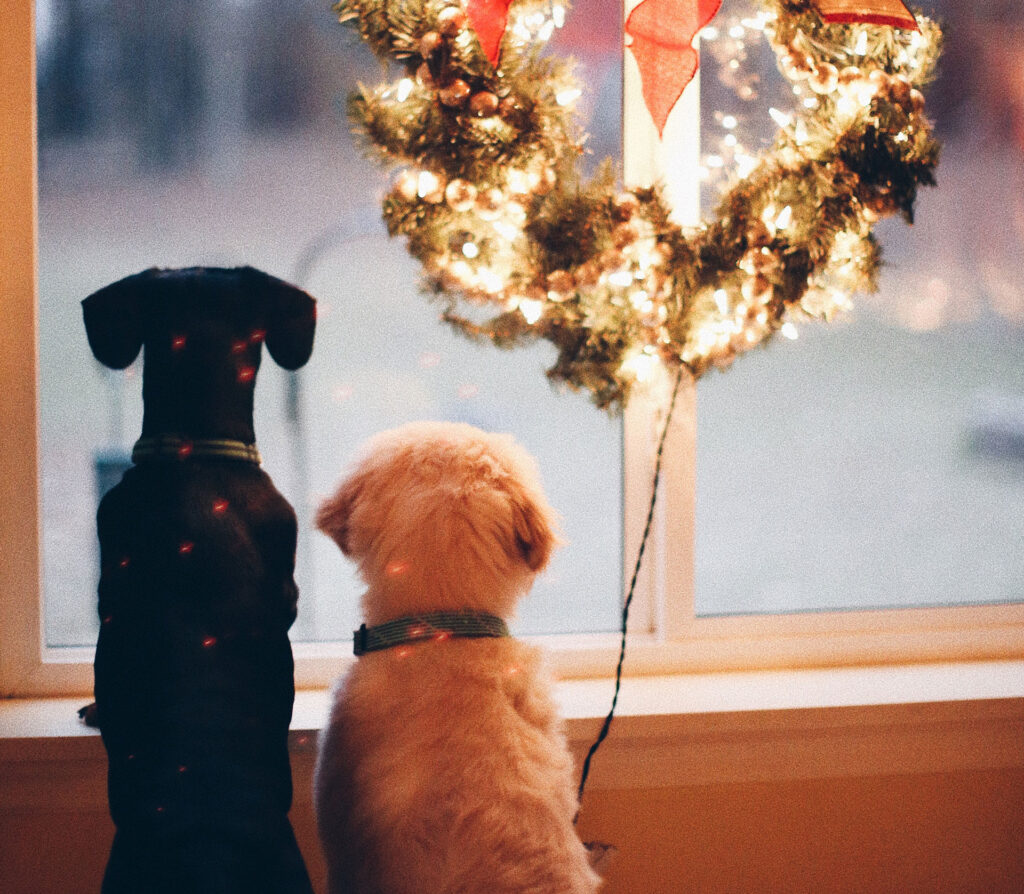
(682, 729)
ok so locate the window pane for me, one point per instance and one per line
(879, 461)
(176, 134)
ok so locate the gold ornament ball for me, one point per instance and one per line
(407, 186)
(796, 65)
(624, 234)
(429, 43)
(849, 75)
(455, 93)
(424, 75)
(879, 79)
(483, 104)
(510, 108)
(588, 273)
(560, 282)
(625, 205)
(430, 187)
(489, 203)
(899, 89)
(460, 194)
(824, 79)
(451, 20)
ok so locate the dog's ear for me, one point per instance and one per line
(534, 531)
(291, 317)
(332, 516)
(113, 319)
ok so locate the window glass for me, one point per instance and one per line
(879, 461)
(172, 134)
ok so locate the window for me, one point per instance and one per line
(675, 628)
(172, 139)
(888, 466)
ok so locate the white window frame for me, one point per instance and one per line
(666, 635)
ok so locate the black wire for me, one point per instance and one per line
(606, 726)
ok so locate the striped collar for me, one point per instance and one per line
(437, 626)
(167, 447)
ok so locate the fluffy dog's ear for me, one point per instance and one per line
(332, 516)
(535, 537)
(291, 317)
(113, 319)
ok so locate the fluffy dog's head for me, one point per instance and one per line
(441, 516)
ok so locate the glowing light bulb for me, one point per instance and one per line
(404, 89)
(531, 309)
(639, 299)
(790, 331)
(640, 364)
(568, 95)
(745, 164)
(491, 281)
(470, 250)
(427, 183)
(722, 301)
(785, 218)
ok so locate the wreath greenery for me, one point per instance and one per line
(490, 197)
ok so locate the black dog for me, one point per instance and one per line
(194, 671)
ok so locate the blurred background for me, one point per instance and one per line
(878, 461)
(173, 133)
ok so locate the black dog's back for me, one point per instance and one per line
(193, 666)
(194, 673)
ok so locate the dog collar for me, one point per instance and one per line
(176, 447)
(437, 626)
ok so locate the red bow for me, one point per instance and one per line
(489, 19)
(662, 33)
(868, 12)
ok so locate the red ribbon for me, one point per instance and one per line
(662, 33)
(867, 12)
(489, 19)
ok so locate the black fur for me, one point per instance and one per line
(194, 672)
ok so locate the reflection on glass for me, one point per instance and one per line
(879, 461)
(175, 134)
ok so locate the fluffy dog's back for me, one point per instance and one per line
(444, 769)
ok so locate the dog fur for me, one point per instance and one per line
(194, 673)
(443, 768)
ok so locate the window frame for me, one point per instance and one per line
(666, 634)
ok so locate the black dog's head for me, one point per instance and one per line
(203, 329)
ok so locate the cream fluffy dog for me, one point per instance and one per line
(443, 769)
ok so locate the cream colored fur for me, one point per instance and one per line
(443, 769)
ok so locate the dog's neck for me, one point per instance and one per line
(428, 627)
(175, 448)
(198, 381)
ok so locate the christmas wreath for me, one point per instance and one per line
(489, 195)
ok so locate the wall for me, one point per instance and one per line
(898, 828)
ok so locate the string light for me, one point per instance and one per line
(604, 276)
